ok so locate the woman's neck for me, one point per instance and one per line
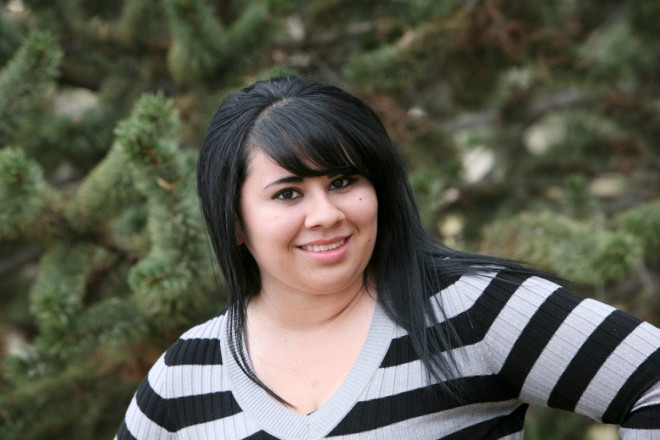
(304, 313)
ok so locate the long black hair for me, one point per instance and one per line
(314, 129)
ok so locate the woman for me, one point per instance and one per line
(346, 320)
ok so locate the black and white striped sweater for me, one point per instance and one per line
(523, 341)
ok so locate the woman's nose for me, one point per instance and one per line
(323, 212)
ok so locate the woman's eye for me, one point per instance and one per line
(287, 194)
(342, 182)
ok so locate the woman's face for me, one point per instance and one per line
(312, 235)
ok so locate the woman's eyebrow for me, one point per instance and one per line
(283, 180)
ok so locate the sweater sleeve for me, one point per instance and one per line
(147, 416)
(557, 349)
(643, 420)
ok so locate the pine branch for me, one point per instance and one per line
(199, 40)
(57, 294)
(577, 250)
(25, 78)
(103, 193)
(163, 280)
(24, 195)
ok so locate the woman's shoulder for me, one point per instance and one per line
(199, 345)
(179, 376)
(195, 350)
(490, 288)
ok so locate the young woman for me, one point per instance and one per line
(346, 320)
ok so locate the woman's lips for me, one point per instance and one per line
(327, 251)
(323, 247)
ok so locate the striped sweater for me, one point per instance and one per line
(524, 340)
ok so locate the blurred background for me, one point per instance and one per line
(531, 130)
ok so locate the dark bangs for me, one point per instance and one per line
(310, 137)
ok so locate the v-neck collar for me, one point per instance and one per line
(283, 423)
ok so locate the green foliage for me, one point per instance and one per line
(150, 140)
(143, 22)
(542, 424)
(162, 280)
(396, 66)
(643, 16)
(577, 199)
(250, 30)
(9, 38)
(86, 319)
(103, 192)
(202, 47)
(530, 129)
(437, 168)
(22, 189)
(643, 221)
(579, 251)
(57, 293)
(61, 406)
(25, 78)
(197, 52)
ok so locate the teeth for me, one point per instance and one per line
(323, 247)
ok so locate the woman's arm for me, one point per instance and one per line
(554, 348)
(147, 416)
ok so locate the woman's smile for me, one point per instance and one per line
(327, 253)
(321, 247)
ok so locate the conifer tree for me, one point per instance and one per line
(530, 130)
